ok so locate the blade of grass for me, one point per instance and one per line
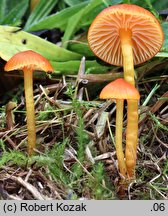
(2, 9)
(72, 25)
(151, 8)
(42, 9)
(58, 20)
(157, 122)
(164, 50)
(150, 95)
(91, 11)
(13, 17)
(73, 2)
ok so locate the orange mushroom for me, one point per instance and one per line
(120, 90)
(126, 35)
(28, 61)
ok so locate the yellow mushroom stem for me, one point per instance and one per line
(128, 63)
(30, 111)
(132, 113)
(131, 136)
(118, 136)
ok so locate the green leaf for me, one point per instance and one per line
(13, 40)
(73, 2)
(74, 22)
(162, 54)
(164, 50)
(58, 20)
(13, 17)
(91, 11)
(160, 5)
(112, 2)
(81, 48)
(72, 67)
(2, 9)
(6, 6)
(42, 9)
(71, 27)
(91, 5)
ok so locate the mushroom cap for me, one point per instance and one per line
(146, 33)
(119, 89)
(28, 60)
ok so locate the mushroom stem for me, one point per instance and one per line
(30, 111)
(131, 136)
(128, 63)
(118, 136)
(132, 112)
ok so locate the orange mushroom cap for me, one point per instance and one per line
(119, 89)
(146, 33)
(29, 60)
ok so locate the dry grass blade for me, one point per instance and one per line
(33, 190)
(154, 108)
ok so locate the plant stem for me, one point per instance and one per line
(131, 136)
(30, 111)
(118, 136)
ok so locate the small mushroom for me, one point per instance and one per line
(28, 61)
(126, 35)
(120, 90)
